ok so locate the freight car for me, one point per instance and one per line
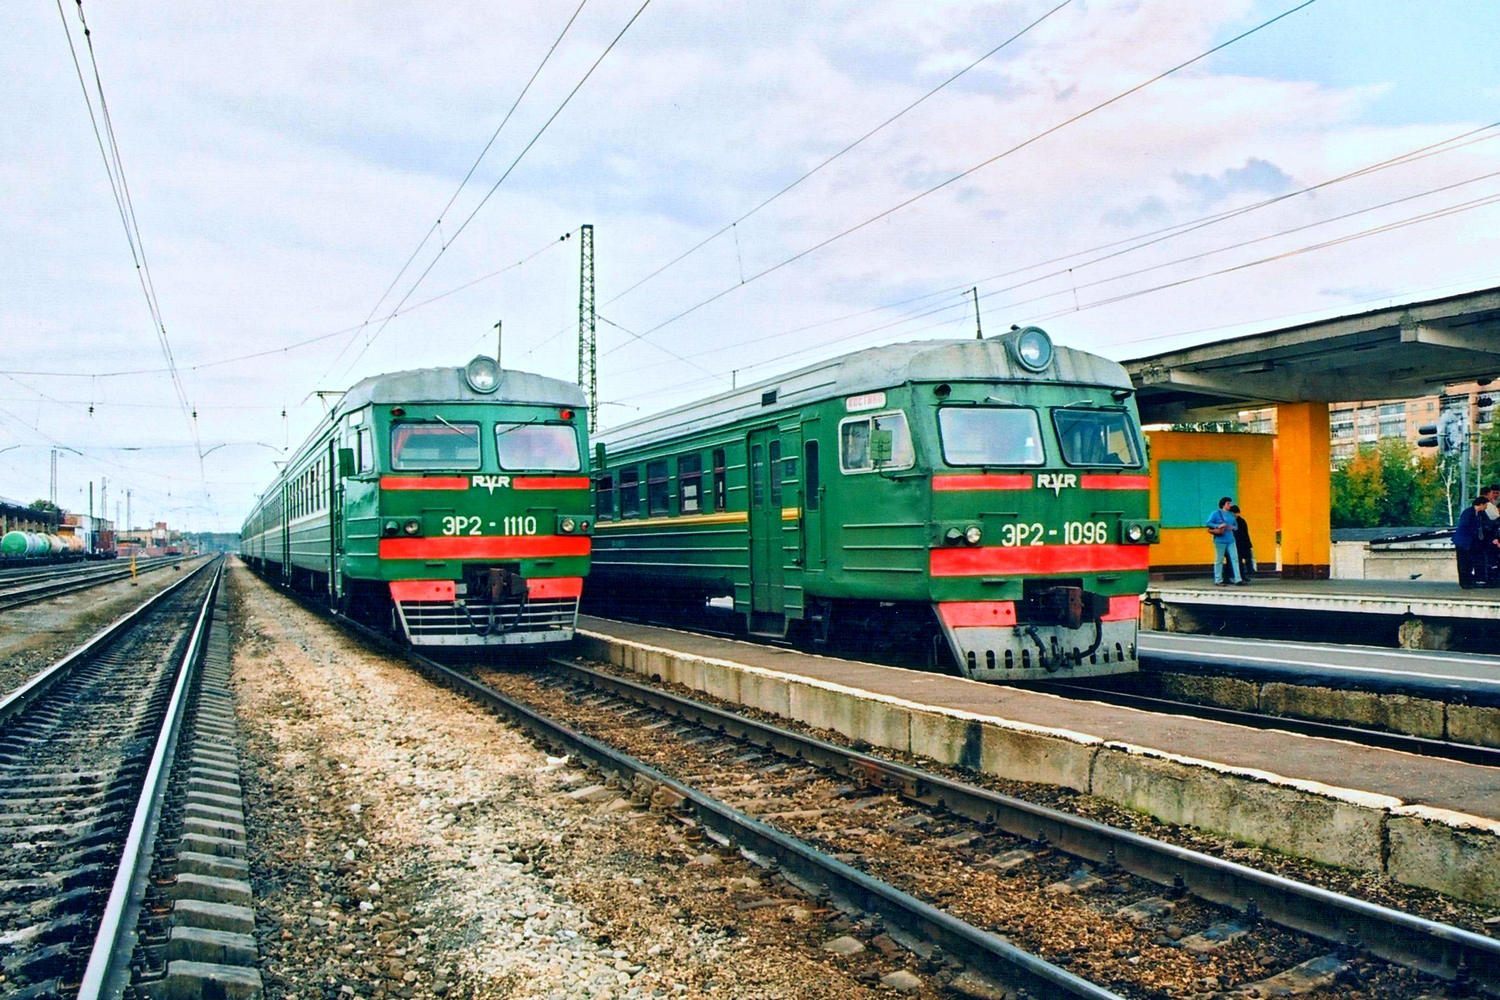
(986, 500)
(449, 505)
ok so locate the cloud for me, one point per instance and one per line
(1256, 175)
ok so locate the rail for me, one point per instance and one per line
(1439, 949)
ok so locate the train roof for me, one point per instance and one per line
(448, 385)
(870, 370)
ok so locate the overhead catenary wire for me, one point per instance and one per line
(977, 167)
(437, 225)
(1132, 243)
(851, 146)
(1381, 229)
(120, 189)
(508, 171)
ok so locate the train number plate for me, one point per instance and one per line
(461, 524)
(1073, 533)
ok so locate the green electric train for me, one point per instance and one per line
(448, 505)
(984, 500)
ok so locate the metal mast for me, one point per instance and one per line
(588, 378)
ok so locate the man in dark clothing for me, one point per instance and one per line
(1469, 544)
(1489, 531)
(1242, 543)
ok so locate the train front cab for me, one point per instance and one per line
(483, 519)
(1040, 529)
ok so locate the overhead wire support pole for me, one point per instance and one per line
(978, 329)
(588, 377)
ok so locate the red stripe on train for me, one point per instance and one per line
(550, 482)
(424, 483)
(1123, 607)
(1039, 559)
(423, 590)
(981, 482)
(493, 547)
(977, 614)
(555, 586)
(1114, 482)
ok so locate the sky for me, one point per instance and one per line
(285, 161)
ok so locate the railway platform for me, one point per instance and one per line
(1420, 821)
(1412, 614)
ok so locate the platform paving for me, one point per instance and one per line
(1422, 599)
(1421, 820)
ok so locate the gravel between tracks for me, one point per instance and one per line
(405, 843)
(35, 636)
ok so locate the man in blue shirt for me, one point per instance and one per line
(1220, 524)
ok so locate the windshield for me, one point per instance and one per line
(420, 447)
(988, 435)
(537, 447)
(1096, 437)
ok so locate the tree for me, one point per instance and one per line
(46, 507)
(1388, 485)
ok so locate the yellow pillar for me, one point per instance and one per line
(1302, 461)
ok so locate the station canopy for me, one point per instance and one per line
(1398, 352)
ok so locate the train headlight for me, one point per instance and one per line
(953, 536)
(1135, 533)
(972, 534)
(391, 528)
(569, 525)
(412, 526)
(1033, 348)
(482, 374)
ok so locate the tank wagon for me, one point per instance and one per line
(449, 505)
(986, 498)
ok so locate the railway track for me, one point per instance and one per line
(39, 585)
(1467, 753)
(767, 791)
(1014, 827)
(86, 751)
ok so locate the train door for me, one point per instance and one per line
(767, 568)
(285, 539)
(814, 558)
(335, 529)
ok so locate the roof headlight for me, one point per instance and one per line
(1135, 532)
(412, 526)
(483, 374)
(972, 534)
(1033, 348)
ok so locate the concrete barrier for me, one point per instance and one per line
(1449, 852)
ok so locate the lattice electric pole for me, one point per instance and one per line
(588, 378)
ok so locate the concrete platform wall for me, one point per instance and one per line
(1448, 852)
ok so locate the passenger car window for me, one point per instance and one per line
(605, 508)
(857, 434)
(690, 484)
(630, 492)
(537, 447)
(990, 435)
(658, 488)
(1096, 437)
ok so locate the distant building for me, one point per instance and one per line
(1354, 425)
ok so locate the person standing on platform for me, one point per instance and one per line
(1220, 524)
(1469, 544)
(1489, 529)
(1243, 544)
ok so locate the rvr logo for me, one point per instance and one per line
(490, 482)
(1054, 481)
